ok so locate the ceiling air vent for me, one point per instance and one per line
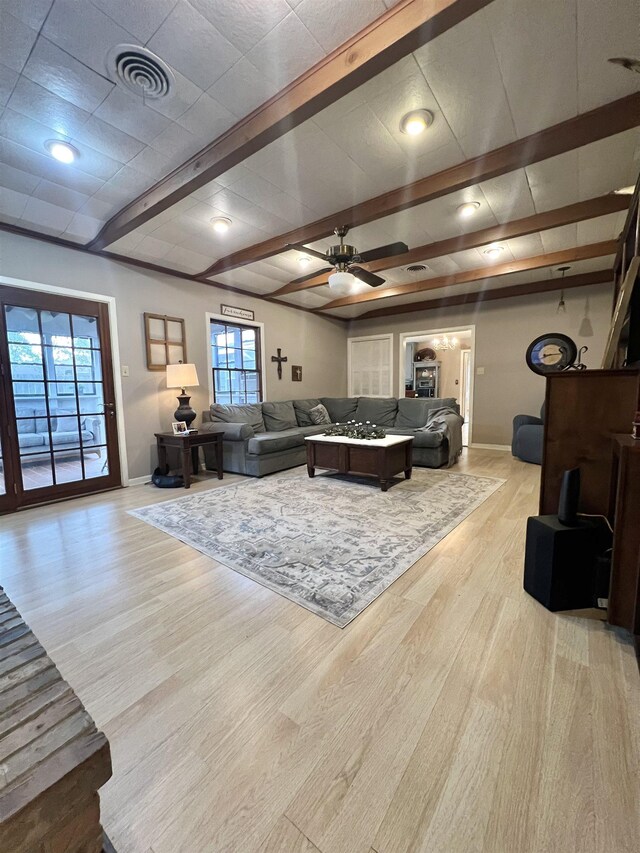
(416, 268)
(140, 71)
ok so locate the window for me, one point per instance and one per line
(65, 360)
(369, 370)
(235, 356)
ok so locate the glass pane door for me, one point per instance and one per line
(63, 435)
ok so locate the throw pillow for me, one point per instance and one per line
(319, 415)
(301, 408)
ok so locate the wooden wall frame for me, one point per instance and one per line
(165, 341)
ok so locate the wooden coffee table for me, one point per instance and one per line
(379, 457)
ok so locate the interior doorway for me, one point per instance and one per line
(439, 363)
(58, 428)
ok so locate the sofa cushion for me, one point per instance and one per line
(41, 418)
(30, 439)
(301, 408)
(340, 409)
(248, 414)
(420, 438)
(314, 429)
(378, 410)
(413, 412)
(28, 425)
(279, 416)
(270, 442)
(70, 437)
(319, 415)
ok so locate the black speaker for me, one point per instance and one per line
(560, 561)
(569, 497)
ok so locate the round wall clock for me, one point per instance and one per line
(550, 353)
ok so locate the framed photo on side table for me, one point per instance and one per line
(179, 428)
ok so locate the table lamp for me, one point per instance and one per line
(183, 376)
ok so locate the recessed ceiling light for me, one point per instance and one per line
(468, 209)
(416, 122)
(625, 190)
(304, 260)
(493, 251)
(221, 224)
(61, 151)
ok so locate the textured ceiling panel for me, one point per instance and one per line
(227, 59)
(487, 81)
(521, 278)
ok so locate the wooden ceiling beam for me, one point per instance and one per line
(394, 35)
(145, 265)
(566, 256)
(599, 123)
(571, 213)
(587, 279)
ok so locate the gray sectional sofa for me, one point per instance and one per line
(263, 438)
(33, 432)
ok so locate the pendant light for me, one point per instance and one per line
(562, 308)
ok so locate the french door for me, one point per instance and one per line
(58, 433)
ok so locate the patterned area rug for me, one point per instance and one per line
(331, 543)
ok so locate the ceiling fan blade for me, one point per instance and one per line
(300, 248)
(366, 276)
(306, 277)
(383, 252)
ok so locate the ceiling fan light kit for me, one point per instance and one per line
(416, 122)
(341, 283)
(346, 259)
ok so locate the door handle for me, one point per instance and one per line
(110, 407)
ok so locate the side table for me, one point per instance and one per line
(188, 444)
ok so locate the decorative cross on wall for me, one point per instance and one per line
(279, 358)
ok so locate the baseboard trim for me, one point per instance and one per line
(503, 447)
(139, 481)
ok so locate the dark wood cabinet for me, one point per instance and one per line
(624, 590)
(583, 411)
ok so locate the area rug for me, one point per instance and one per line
(331, 544)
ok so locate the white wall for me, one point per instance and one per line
(504, 329)
(317, 343)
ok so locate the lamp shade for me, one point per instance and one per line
(341, 283)
(181, 375)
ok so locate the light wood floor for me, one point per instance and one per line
(454, 715)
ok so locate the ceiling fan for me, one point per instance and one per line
(345, 260)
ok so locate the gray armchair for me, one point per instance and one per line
(527, 441)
